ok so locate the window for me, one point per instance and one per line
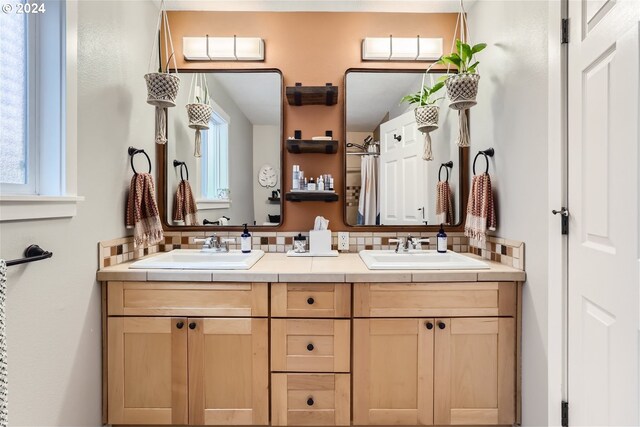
(37, 106)
(215, 191)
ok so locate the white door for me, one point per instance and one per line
(603, 204)
(402, 172)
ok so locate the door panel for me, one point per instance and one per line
(228, 372)
(402, 172)
(392, 372)
(603, 203)
(147, 365)
(474, 371)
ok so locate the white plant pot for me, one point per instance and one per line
(462, 90)
(427, 118)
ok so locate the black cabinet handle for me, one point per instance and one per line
(310, 347)
(429, 325)
(192, 325)
(310, 300)
(179, 325)
(310, 401)
(441, 325)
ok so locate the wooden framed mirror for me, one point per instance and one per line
(387, 183)
(239, 176)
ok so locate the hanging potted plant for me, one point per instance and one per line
(426, 112)
(199, 109)
(462, 88)
(162, 86)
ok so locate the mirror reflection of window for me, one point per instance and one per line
(215, 158)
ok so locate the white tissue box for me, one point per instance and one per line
(319, 241)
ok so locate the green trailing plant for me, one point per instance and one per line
(463, 59)
(424, 97)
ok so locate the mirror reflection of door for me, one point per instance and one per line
(387, 180)
(237, 178)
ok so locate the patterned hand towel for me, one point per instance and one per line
(142, 211)
(184, 206)
(444, 204)
(481, 213)
(4, 376)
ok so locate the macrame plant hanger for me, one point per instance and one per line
(427, 153)
(165, 92)
(464, 138)
(199, 110)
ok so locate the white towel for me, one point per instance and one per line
(4, 376)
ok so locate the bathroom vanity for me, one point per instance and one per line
(311, 341)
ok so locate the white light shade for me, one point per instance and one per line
(376, 48)
(223, 48)
(404, 49)
(430, 49)
(195, 48)
(401, 49)
(249, 49)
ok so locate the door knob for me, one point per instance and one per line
(441, 325)
(429, 325)
(310, 347)
(397, 137)
(179, 325)
(310, 300)
(192, 325)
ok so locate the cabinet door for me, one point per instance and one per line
(147, 365)
(393, 371)
(475, 371)
(228, 372)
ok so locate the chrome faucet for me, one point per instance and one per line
(403, 245)
(214, 243)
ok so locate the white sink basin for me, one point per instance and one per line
(195, 259)
(419, 260)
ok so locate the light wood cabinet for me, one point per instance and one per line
(311, 300)
(465, 370)
(310, 345)
(475, 371)
(310, 399)
(228, 372)
(147, 365)
(393, 372)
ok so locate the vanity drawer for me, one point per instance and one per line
(187, 299)
(434, 299)
(311, 300)
(310, 345)
(310, 399)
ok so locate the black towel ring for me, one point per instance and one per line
(489, 152)
(132, 152)
(446, 167)
(182, 165)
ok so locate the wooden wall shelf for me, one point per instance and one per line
(300, 146)
(299, 95)
(311, 197)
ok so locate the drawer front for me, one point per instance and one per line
(311, 300)
(310, 399)
(310, 345)
(434, 299)
(187, 299)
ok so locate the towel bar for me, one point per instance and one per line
(32, 253)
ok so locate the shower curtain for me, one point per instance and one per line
(369, 203)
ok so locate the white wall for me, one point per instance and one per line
(266, 151)
(53, 306)
(511, 116)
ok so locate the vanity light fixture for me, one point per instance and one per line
(401, 49)
(223, 48)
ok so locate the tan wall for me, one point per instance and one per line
(313, 48)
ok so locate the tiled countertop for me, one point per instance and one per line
(277, 267)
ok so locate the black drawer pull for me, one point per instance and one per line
(179, 325)
(310, 300)
(310, 401)
(310, 347)
(192, 325)
(429, 325)
(441, 325)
